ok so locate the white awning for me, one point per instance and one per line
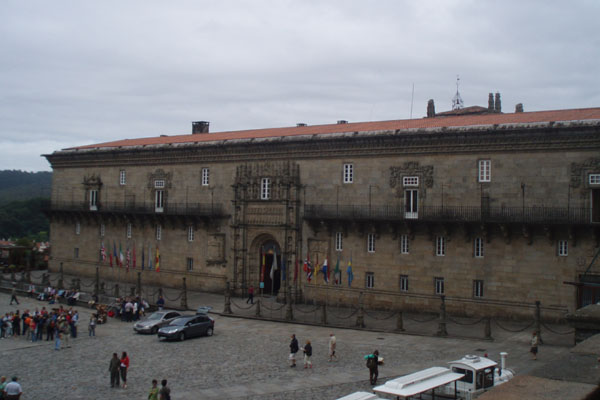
(360, 396)
(419, 382)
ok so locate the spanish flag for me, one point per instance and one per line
(157, 263)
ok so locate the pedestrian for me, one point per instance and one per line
(63, 327)
(293, 350)
(124, 367)
(113, 368)
(535, 341)
(57, 342)
(153, 394)
(74, 324)
(165, 391)
(332, 344)
(250, 295)
(3, 384)
(160, 303)
(13, 294)
(307, 354)
(92, 325)
(13, 390)
(373, 365)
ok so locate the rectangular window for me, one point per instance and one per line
(440, 246)
(190, 233)
(159, 201)
(478, 248)
(439, 286)
(371, 243)
(485, 170)
(129, 231)
(158, 232)
(594, 179)
(76, 252)
(205, 175)
(122, 177)
(369, 280)
(77, 228)
(404, 283)
(159, 184)
(190, 263)
(563, 248)
(348, 173)
(94, 199)
(339, 241)
(265, 189)
(410, 181)
(411, 203)
(102, 230)
(404, 244)
(477, 288)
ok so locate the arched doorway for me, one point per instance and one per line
(270, 265)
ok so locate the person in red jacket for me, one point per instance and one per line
(124, 367)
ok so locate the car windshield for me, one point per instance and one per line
(155, 316)
(179, 321)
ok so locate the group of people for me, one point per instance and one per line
(129, 309)
(118, 368)
(307, 350)
(10, 390)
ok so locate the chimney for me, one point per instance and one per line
(498, 104)
(430, 109)
(199, 127)
(342, 121)
(300, 124)
(519, 108)
(491, 102)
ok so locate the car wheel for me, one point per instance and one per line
(154, 330)
(209, 332)
(182, 336)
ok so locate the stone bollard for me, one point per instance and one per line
(28, 276)
(324, 314)
(289, 312)
(116, 290)
(102, 289)
(132, 291)
(399, 322)
(360, 318)
(97, 282)
(184, 303)
(227, 308)
(139, 284)
(487, 329)
(442, 322)
(538, 321)
(45, 280)
(257, 314)
(78, 284)
(60, 278)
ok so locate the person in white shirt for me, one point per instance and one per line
(13, 390)
(332, 345)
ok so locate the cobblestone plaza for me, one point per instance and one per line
(245, 359)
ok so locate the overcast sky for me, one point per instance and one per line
(80, 72)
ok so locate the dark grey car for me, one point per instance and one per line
(188, 326)
(155, 321)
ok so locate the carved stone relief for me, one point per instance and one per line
(579, 171)
(160, 174)
(411, 168)
(216, 248)
(92, 181)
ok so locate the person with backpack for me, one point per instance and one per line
(165, 391)
(373, 364)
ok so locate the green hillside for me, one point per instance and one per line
(20, 185)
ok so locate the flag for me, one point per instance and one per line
(143, 257)
(296, 270)
(308, 268)
(273, 267)
(283, 268)
(128, 257)
(114, 254)
(102, 252)
(262, 267)
(133, 255)
(150, 257)
(325, 271)
(349, 272)
(120, 255)
(157, 263)
(337, 272)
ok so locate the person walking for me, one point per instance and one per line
(332, 344)
(160, 303)
(113, 368)
(307, 354)
(250, 295)
(165, 391)
(13, 294)
(92, 325)
(13, 390)
(124, 368)
(293, 350)
(373, 365)
(535, 341)
(153, 394)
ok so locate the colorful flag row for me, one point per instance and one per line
(129, 259)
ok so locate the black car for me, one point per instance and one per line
(188, 326)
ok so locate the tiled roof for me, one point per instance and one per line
(401, 125)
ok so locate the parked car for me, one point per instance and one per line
(155, 321)
(203, 309)
(188, 326)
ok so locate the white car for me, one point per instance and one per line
(155, 321)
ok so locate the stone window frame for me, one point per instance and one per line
(403, 283)
(484, 170)
(369, 280)
(128, 230)
(438, 285)
(122, 177)
(189, 263)
(190, 233)
(478, 247)
(102, 230)
(562, 248)
(158, 232)
(348, 173)
(205, 176)
(265, 188)
(371, 242)
(404, 244)
(93, 199)
(594, 179)
(78, 228)
(440, 246)
(339, 241)
(478, 286)
(410, 181)
(76, 253)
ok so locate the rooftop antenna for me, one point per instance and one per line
(457, 102)
(412, 98)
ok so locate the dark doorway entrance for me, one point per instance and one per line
(272, 261)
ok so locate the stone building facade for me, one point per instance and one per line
(493, 211)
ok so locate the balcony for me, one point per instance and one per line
(451, 214)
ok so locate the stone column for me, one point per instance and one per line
(60, 277)
(360, 318)
(399, 322)
(139, 283)
(289, 312)
(324, 314)
(258, 301)
(184, 303)
(227, 308)
(116, 290)
(538, 321)
(442, 322)
(487, 329)
(97, 282)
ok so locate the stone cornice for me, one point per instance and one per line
(443, 141)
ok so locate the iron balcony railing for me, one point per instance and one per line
(198, 209)
(539, 215)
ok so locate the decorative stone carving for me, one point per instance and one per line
(284, 176)
(265, 215)
(216, 248)
(580, 170)
(411, 168)
(160, 174)
(92, 181)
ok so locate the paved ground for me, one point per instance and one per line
(245, 359)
